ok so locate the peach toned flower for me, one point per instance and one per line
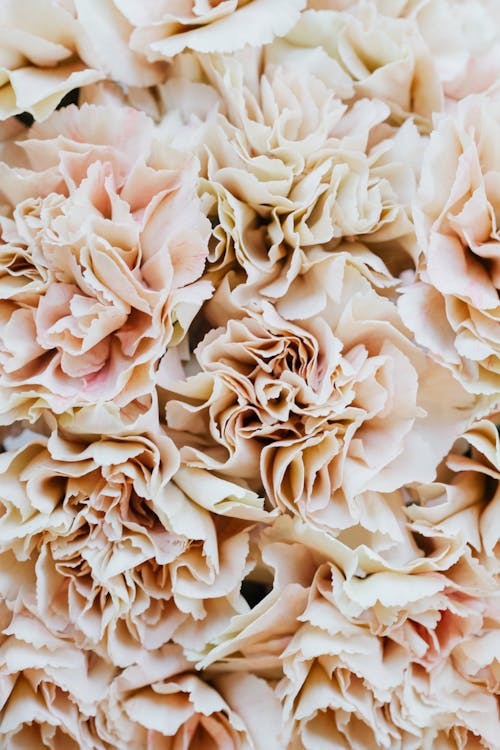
(447, 710)
(116, 546)
(288, 165)
(319, 409)
(372, 640)
(292, 552)
(374, 647)
(386, 58)
(160, 29)
(161, 703)
(49, 688)
(103, 240)
(453, 307)
(254, 641)
(463, 500)
(39, 57)
(463, 37)
(464, 41)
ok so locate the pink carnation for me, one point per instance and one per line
(100, 247)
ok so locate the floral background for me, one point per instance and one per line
(249, 374)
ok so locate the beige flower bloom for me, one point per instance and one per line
(162, 704)
(462, 36)
(114, 544)
(291, 553)
(366, 645)
(289, 165)
(464, 40)
(103, 239)
(447, 710)
(39, 57)
(463, 501)
(386, 58)
(160, 29)
(321, 409)
(49, 688)
(254, 641)
(373, 649)
(50, 47)
(454, 306)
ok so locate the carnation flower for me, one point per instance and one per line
(51, 47)
(162, 698)
(39, 57)
(463, 501)
(49, 687)
(249, 374)
(365, 658)
(323, 408)
(291, 554)
(372, 651)
(114, 544)
(160, 30)
(254, 641)
(289, 165)
(453, 307)
(163, 703)
(464, 40)
(463, 37)
(101, 243)
(386, 58)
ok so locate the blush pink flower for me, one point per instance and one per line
(291, 161)
(319, 409)
(454, 306)
(163, 703)
(115, 546)
(99, 250)
(462, 503)
(39, 57)
(156, 30)
(49, 688)
(376, 643)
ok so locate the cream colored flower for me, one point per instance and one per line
(464, 41)
(254, 641)
(160, 29)
(49, 688)
(374, 648)
(454, 306)
(116, 546)
(463, 501)
(462, 36)
(50, 47)
(447, 710)
(292, 553)
(367, 644)
(162, 703)
(386, 58)
(39, 57)
(288, 165)
(103, 239)
(319, 409)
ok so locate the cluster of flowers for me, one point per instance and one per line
(250, 375)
